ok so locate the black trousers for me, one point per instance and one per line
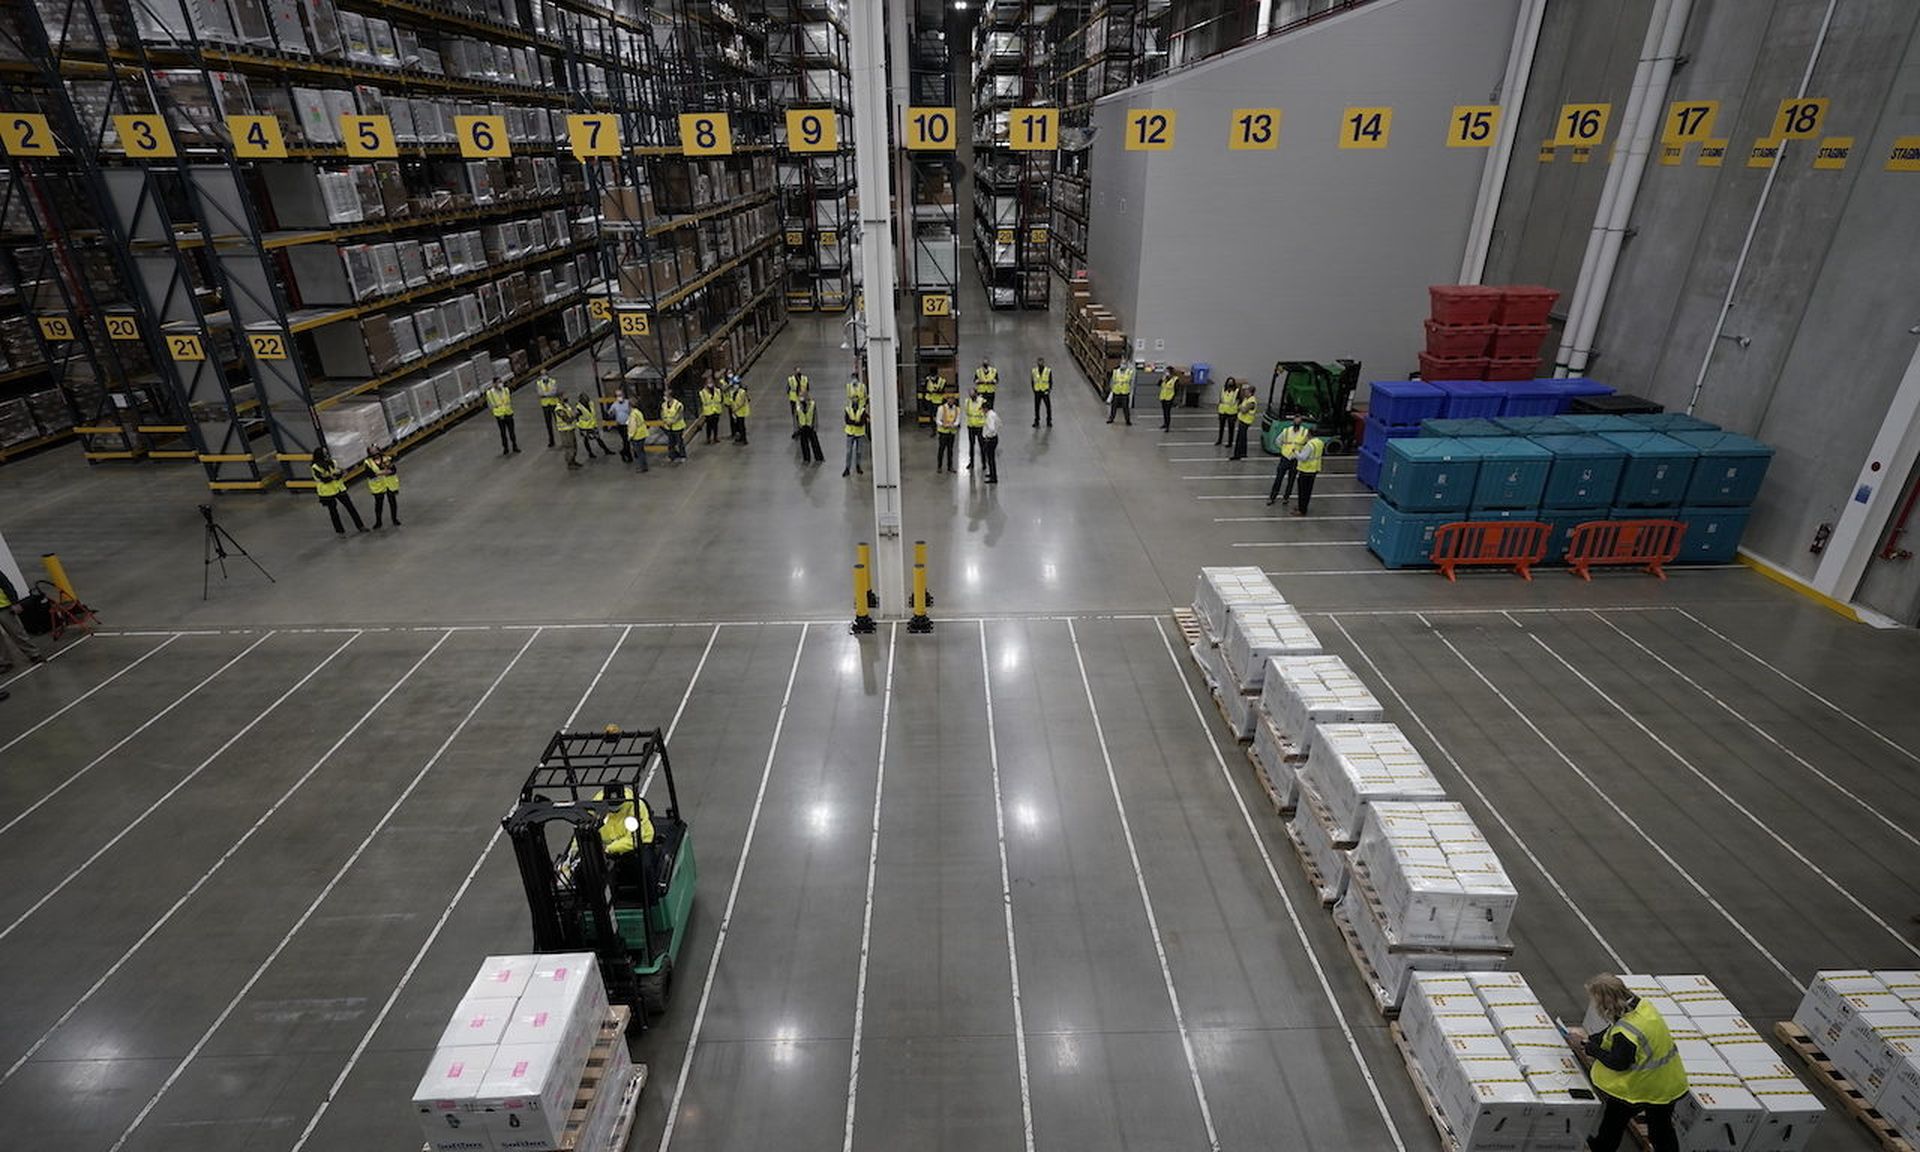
(546, 417)
(810, 445)
(1040, 399)
(973, 442)
(676, 444)
(989, 457)
(590, 438)
(1306, 488)
(1240, 442)
(334, 504)
(1166, 415)
(626, 444)
(1613, 1125)
(391, 501)
(712, 424)
(1282, 480)
(1120, 403)
(943, 458)
(634, 450)
(1223, 434)
(509, 438)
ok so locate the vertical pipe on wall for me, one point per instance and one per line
(1610, 191)
(1493, 177)
(1611, 231)
(1753, 225)
(1876, 491)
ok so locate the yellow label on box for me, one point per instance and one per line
(369, 137)
(796, 239)
(1712, 152)
(1582, 125)
(122, 328)
(1034, 130)
(812, 130)
(1254, 130)
(1150, 130)
(1689, 120)
(1365, 127)
(1905, 155)
(145, 137)
(268, 345)
(257, 137)
(1800, 118)
(56, 328)
(1003, 236)
(186, 347)
(593, 135)
(1473, 126)
(27, 134)
(1832, 154)
(706, 134)
(1036, 235)
(482, 137)
(930, 129)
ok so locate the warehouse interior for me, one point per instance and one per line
(1027, 849)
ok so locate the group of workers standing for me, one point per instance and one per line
(855, 420)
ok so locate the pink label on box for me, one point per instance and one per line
(539, 1019)
(455, 1069)
(520, 1069)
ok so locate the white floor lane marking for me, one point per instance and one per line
(1006, 899)
(128, 738)
(83, 697)
(1317, 494)
(733, 898)
(59, 652)
(1146, 900)
(313, 906)
(446, 913)
(169, 794)
(1286, 901)
(866, 916)
(1302, 543)
(1753, 818)
(1849, 793)
(208, 875)
(1613, 954)
(1678, 868)
(1280, 519)
(1764, 663)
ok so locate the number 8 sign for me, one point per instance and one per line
(812, 130)
(705, 134)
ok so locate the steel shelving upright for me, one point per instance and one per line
(1012, 187)
(931, 271)
(1094, 57)
(816, 188)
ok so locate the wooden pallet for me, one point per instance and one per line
(1189, 624)
(1852, 1100)
(1314, 876)
(1220, 706)
(1280, 808)
(1368, 973)
(1423, 1089)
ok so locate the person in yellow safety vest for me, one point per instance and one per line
(500, 403)
(586, 422)
(1120, 393)
(805, 413)
(933, 393)
(383, 481)
(855, 418)
(1292, 438)
(673, 418)
(946, 421)
(1169, 388)
(627, 827)
(1042, 391)
(1636, 1066)
(1228, 409)
(636, 434)
(797, 383)
(1307, 463)
(330, 485)
(548, 390)
(976, 420)
(712, 402)
(13, 634)
(741, 406)
(856, 387)
(1248, 413)
(566, 417)
(986, 379)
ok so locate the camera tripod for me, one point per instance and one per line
(218, 541)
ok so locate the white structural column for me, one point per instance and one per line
(872, 117)
(1493, 175)
(1876, 492)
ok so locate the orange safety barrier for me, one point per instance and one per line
(1515, 544)
(1637, 543)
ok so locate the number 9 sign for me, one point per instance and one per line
(812, 130)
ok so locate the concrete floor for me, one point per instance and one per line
(1006, 886)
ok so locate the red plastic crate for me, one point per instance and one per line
(1458, 339)
(1513, 368)
(1463, 303)
(1525, 304)
(1453, 367)
(1511, 340)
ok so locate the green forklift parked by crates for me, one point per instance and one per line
(607, 871)
(1323, 393)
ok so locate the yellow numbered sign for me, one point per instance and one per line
(930, 129)
(1582, 125)
(268, 345)
(1150, 130)
(600, 309)
(936, 305)
(1800, 119)
(1581, 155)
(706, 134)
(122, 328)
(1833, 152)
(795, 239)
(1764, 153)
(1003, 236)
(812, 130)
(1473, 126)
(27, 134)
(593, 136)
(368, 137)
(56, 328)
(1254, 130)
(1546, 152)
(186, 347)
(635, 323)
(1712, 152)
(1036, 235)
(1905, 156)
(145, 137)
(1689, 120)
(1034, 130)
(1365, 127)
(1672, 154)
(257, 138)
(482, 137)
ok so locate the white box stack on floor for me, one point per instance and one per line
(1435, 876)
(1494, 1065)
(1231, 605)
(1868, 1024)
(1218, 588)
(1256, 634)
(1298, 694)
(1355, 764)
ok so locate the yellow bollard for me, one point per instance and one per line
(58, 574)
(920, 622)
(864, 558)
(862, 588)
(920, 560)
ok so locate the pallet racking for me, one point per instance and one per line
(931, 271)
(816, 191)
(1095, 56)
(1011, 188)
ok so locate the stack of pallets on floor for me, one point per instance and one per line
(1300, 693)
(1244, 621)
(1858, 1032)
(533, 1059)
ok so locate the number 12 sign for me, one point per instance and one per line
(1150, 130)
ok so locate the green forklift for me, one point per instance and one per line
(1321, 392)
(605, 870)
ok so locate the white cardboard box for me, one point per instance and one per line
(447, 1100)
(1254, 636)
(1828, 1004)
(477, 1023)
(1716, 1119)
(529, 1093)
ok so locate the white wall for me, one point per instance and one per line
(1239, 259)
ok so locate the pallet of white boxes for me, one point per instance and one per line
(1859, 1034)
(1244, 621)
(533, 1059)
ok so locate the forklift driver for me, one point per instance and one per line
(628, 827)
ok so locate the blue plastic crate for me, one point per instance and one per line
(1537, 426)
(1504, 514)
(1378, 434)
(1594, 423)
(1563, 521)
(1571, 386)
(1513, 471)
(1533, 398)
(1585, 473)
(1366, 469)
(1729, 471)
(1403, 539)
(1671, 422)
(1404, 402)
(1471, 426)
(1657, 471)
(1429, 475)
(1713, 534)
(1469, 398)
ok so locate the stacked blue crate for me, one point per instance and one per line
(1456, 429)
(1533, 398)
(1657, 472)
(1466, 399)
(1580, 485)
(1425, 482)
(1395, 409)
(1536, 426)
(1567, 389)
(1720, 493)
(1671, 422)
